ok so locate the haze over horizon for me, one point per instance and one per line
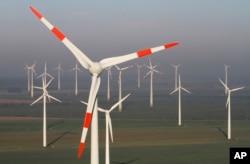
(211, 34)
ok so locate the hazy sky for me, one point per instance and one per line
(211, 33)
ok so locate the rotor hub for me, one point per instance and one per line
(96, 68)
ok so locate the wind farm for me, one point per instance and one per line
(159, 123)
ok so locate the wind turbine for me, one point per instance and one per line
(108, 126)
(120, 83)
(95, 68)
(59, 70)
(151, 73)
(76, 68)
(44, 96)
(30, 72)
(45, 74)
(176, 74)
(179, 88)
(109, 76)
(228, 105)
(139, 74)
(226, 67)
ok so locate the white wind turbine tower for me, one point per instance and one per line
(120, 83)
(30, 72)
(76, 69)
(44, 96)
(226, 67)
(179, 88)
(228, 104)
(59, 70)
(109, 76)
(108, 126)
(176, 74)
(95, 69)
(139, 74)
(151, 73)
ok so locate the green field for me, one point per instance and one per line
(141, 135)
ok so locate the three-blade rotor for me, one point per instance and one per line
(95, 68)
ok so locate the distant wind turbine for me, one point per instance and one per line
(30, 72)
(44, 96)
(76, 68)
(228, 105)
(59, 70)
(45, 74)
(179, 88)
(151, 73)
(176, 74)
(109, 76)
(120, 83)
(226, 67)
(139, 74)
(108, 126)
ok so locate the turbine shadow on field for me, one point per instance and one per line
(55, 124)
(224, 133)
(58, 138)
(130, 161)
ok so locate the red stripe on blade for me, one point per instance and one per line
(87, 120)
(144, 52)
(37, 14)
(80, 150)
(58, 34)
(170, 45)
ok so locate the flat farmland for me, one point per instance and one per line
(141, 134)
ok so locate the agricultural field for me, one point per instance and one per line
(141, 134)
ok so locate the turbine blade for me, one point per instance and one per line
(84, 102)
(110, 126)
(157, 71)
(98, 108)
(37, 100)
(102, 110)
(186, 90)
(116, 104)
(49, 96)
(126, 67)
(174, 91)
(236, 89)
(38, 88)
(154, 67)
(224, 84)
(81, 57)
(228, 98)
(118, 68)
(87, 120)
(48, 83)
(147, 74)
(40, 76)
(121, 59)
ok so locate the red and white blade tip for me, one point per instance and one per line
(149, 51)
(80, 150)
(86, 125)
(53, 29)
(37, 14)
